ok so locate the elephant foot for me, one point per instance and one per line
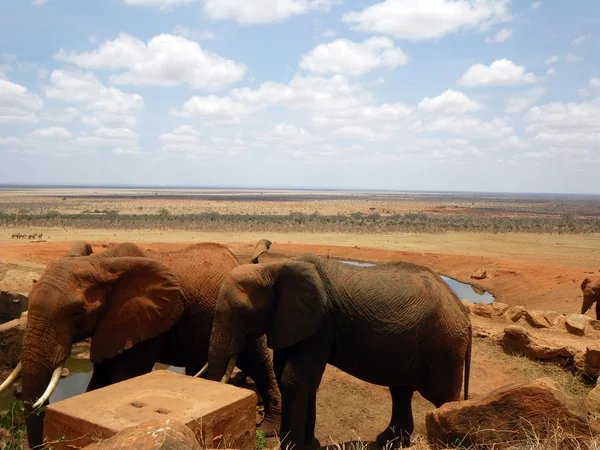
(393, 438)
(270, 427)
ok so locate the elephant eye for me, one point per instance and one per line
(77, 312)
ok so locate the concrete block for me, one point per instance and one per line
(220, 415)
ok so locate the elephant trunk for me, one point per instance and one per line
(223, 352)
(42, 359)
(588, 302)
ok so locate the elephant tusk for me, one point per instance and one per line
(51, 386)
(11, 378)
(229, 370)
(202, 371)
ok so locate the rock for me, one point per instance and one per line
(151, 435)
(513, 413)
(483, 310)
(552, 317)
(536, 319)
(499, 308)
(591, 360)
(11, 337)
(514, 313)
(479, 274)
(18, 281)
(592, 402)
(65, 373)
(576, 324)
(518, 340)
(595, 324)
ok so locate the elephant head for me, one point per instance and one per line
(284, 300)
(102, 297)
(591, 293)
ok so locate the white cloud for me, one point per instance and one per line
(552, 117)
(39, 2)
(595, 83)
(502, 72)
(471, 126)
(581, 38)
(571, 57)
(428, 19)
(195, 35)
(166, 60)
(163, 5)
(108, 106)
(536, 5)
(354, 58)
(65, 115)
(126, 151)
(213, 109)
(501, 36)
(187, 141)
(262, 11)
(17, 104)
(328, 33)
(551, 60)
(449, 102)
(523, 100)
(51, 133)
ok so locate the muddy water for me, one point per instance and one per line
(462, 290)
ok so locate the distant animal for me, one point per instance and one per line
(139, 308)
(591, 294)
(395, 324)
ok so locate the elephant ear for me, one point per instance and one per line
(144, 300)
(299, 304)
(584, 283)
(261, 247)
(80, 248)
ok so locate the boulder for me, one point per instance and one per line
(536, 319)
(516, 413)
(592, 402)
(514, 313)
(592, 360)
(11, 339)
(151, 435)
(499, 308)
(552, 317)
(14, 290)
(518, 340)
(479, 274)
(483, 310)
(577, 324)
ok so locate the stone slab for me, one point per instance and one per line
(220, 415)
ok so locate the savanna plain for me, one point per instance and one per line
(535, 249)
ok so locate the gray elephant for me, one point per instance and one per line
(591, 293)
(396, 324)
(139, 307)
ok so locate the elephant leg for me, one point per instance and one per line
(299, 371)
(598, 310)
(401, 425)
(136, 361)
(100, 376)
(256, 361)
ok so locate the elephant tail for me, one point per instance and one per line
(468, 362)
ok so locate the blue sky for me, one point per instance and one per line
(477, 95)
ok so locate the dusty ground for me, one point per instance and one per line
(539, 272)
